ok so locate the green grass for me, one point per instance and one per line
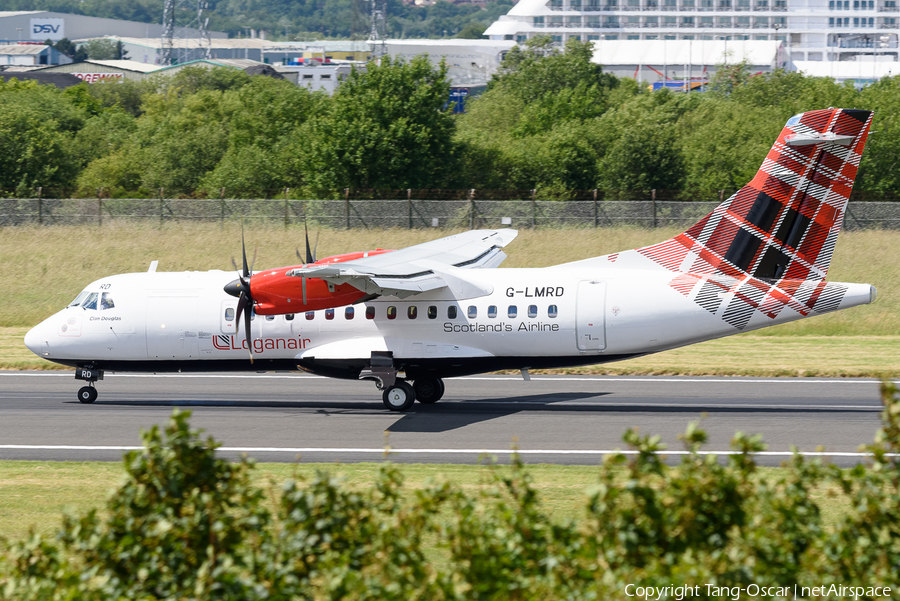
(51, 265)
(35, 493)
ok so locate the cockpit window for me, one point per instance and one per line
(90, 302)
(78, 299)
(106, 301)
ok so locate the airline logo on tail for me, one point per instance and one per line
(771, 243)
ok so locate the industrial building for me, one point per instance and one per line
(93, 71)
(298, 52)
(31, 55)
(41, 25)
(151, 51)
(813, 30)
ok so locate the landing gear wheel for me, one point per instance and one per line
(429, 391)
(399, 397)
(87, 395)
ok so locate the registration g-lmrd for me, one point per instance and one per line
(537, 292)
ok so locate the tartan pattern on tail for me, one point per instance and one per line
(781, 228)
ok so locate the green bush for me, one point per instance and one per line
(188, 525)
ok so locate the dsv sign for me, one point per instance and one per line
(42, 29)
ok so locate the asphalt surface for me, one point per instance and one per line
(552, 419)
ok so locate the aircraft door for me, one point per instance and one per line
(590, 316)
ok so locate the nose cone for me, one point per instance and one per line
(33, 340)
(234, 288)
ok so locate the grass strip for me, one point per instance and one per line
(35, 493)
(54, 263)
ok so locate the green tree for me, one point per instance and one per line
(387, 127)
(103, 49)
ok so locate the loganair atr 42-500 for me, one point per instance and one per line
(408, 318)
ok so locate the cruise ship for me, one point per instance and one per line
(811, 30)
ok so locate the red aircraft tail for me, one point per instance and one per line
(784, 223)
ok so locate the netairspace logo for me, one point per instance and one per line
(678, 593)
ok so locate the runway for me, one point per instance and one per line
(552, 419)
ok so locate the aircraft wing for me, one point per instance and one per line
(418, 268)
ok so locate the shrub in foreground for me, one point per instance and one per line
(188, 525)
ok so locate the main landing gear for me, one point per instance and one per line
(88, 394)
(398, 394)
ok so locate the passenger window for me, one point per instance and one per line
(91, 302)
(451, 312)
(512, 311)
(552, 311)
(492, 311)
(329, 314)
(229, 314)
(289, 317)
(412, 312)
(270, 318)
(392, 312)
(473, 312)
(310, 315)
(532, 310)
(349, 312)
(432, 312)
(370, 312)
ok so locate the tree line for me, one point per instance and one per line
(186, 524)
(297, 19)
(550, 120)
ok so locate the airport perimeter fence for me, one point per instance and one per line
(410, 213)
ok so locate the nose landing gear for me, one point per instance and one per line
(90, 374)
(87, 394)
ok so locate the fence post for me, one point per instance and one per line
(472, 209)
(40, 207)
(533, 208)
(222, 208)
(286, 207)
(347, 206)
(596, 211)
(721, 195)
(160, 208)
(653, 205)
(409, 208)
(99, 207)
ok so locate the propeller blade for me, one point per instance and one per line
(240, 310)
(247, 329)
(252, 263)
(245, 273)
(309, 254)
(234, 264)
(299, 256)
(316, 247)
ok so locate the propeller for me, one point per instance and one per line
(241, 289)
(310, 258)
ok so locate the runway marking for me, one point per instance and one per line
(369, 451)
(534, 378)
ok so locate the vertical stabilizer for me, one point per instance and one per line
(784, 223)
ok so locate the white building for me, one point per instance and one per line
(681, 60)
(816, 30)
(470, 62)
(31, 55)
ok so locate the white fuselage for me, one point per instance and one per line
(587, 312)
